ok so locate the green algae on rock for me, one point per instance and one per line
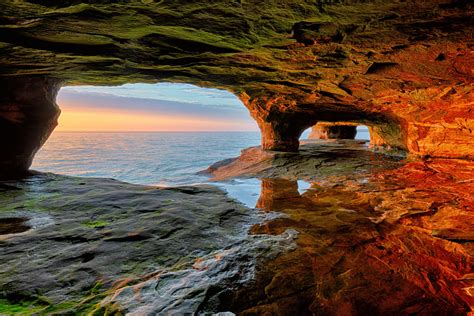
(372, 233)
(403, 68)
(103, 235)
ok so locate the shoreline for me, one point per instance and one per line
(362, 220)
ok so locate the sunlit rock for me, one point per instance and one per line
(370, 233)
(402, 68)
(333, 131)
(373, 234)
(315, 158)
(372, 240)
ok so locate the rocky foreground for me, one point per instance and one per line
(374, 233)
(377, 234)
(67, 243)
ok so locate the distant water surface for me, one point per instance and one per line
(160, 158)
(164, 158)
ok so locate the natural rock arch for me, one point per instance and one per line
(403, 68)
(333, 131)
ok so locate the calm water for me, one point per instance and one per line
(163, 158)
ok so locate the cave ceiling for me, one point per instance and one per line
(403, 67)
(289, 45)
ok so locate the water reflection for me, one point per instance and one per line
(374, 236)
(365, 247)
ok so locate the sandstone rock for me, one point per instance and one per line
(333, 131)
(372, 233)
(315, 158)
(371, 240)
(89, 238)
(403, 68)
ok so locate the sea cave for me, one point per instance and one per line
(332, 175)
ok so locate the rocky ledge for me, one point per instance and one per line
(82, 245)
(379, 234)
(316, 158)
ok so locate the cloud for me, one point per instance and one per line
(183, 93)
(162, 106)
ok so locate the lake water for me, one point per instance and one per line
(357, 226)
(143, 158)
(158, 158)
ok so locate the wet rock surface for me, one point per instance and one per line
(386, 240)
(375, 234)
(315, 158)
(102, 232)
(372, 234)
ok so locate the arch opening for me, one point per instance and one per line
(305, 134)
(333, 130)
(151, 107)
(363, 133)
(30, 115)
(381, 132)
(169, 131)
(344, 130)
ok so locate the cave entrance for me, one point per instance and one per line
(337, 130)
(145, 133)
(363, 133)
(305, 134)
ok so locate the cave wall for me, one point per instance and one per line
(28, 115)
(404, 68)
(333, 131)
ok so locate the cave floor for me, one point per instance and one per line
(336, 229)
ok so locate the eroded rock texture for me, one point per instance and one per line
(68, 242)
(375, 237)
(333, 131)
(403, 68)
(28, 115)
(338, 229)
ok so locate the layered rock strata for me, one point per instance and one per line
(339, 229)
(333, 131)
(403, 68)
(376, 235)
(68, 242)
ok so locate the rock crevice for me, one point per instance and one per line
(402, 68)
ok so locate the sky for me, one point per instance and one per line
(151, 107)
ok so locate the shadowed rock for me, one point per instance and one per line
(28, 115)
(67, 243)
(333, 131)
(403, 68)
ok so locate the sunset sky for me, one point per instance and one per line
(151, 107)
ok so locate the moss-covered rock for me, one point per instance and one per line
(87, 238)
(401, 67)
